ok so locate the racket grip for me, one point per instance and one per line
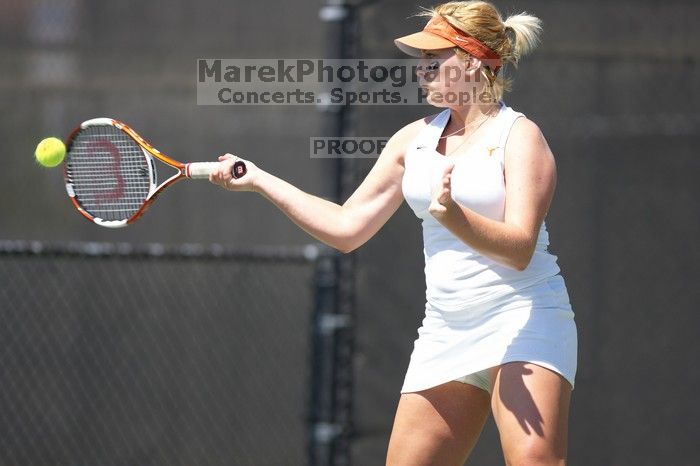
(201, 170)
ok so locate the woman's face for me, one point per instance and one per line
(447, 80)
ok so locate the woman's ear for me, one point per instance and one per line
(472, 63)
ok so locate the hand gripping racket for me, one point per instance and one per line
(110, 172)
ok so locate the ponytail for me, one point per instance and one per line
(524, 34)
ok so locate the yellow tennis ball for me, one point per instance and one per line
(50, 152)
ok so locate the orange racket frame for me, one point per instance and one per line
(193, 170)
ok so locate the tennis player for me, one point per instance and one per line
(499, 334)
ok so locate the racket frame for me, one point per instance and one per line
(197, 170)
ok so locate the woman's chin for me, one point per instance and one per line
(433, 98)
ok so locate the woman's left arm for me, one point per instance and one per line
(531, 176)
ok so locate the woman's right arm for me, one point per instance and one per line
(343, 227)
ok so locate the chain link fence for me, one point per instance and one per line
(118, 354)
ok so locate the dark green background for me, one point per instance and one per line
(614, 88)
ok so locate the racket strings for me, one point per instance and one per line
(109, 173)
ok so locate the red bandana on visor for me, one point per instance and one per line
(438, 26)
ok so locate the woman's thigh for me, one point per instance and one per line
(530, 406)
(438, 426)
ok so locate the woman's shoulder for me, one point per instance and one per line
(524, 127)
(519, 123)
(525, 142)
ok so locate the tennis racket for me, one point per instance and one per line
(110, 172)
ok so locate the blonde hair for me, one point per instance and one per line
(510, 38)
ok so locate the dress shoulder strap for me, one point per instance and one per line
(431, 133)
(508, 117)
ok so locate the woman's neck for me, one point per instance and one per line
(467, 115)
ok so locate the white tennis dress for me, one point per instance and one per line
(480, 313)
